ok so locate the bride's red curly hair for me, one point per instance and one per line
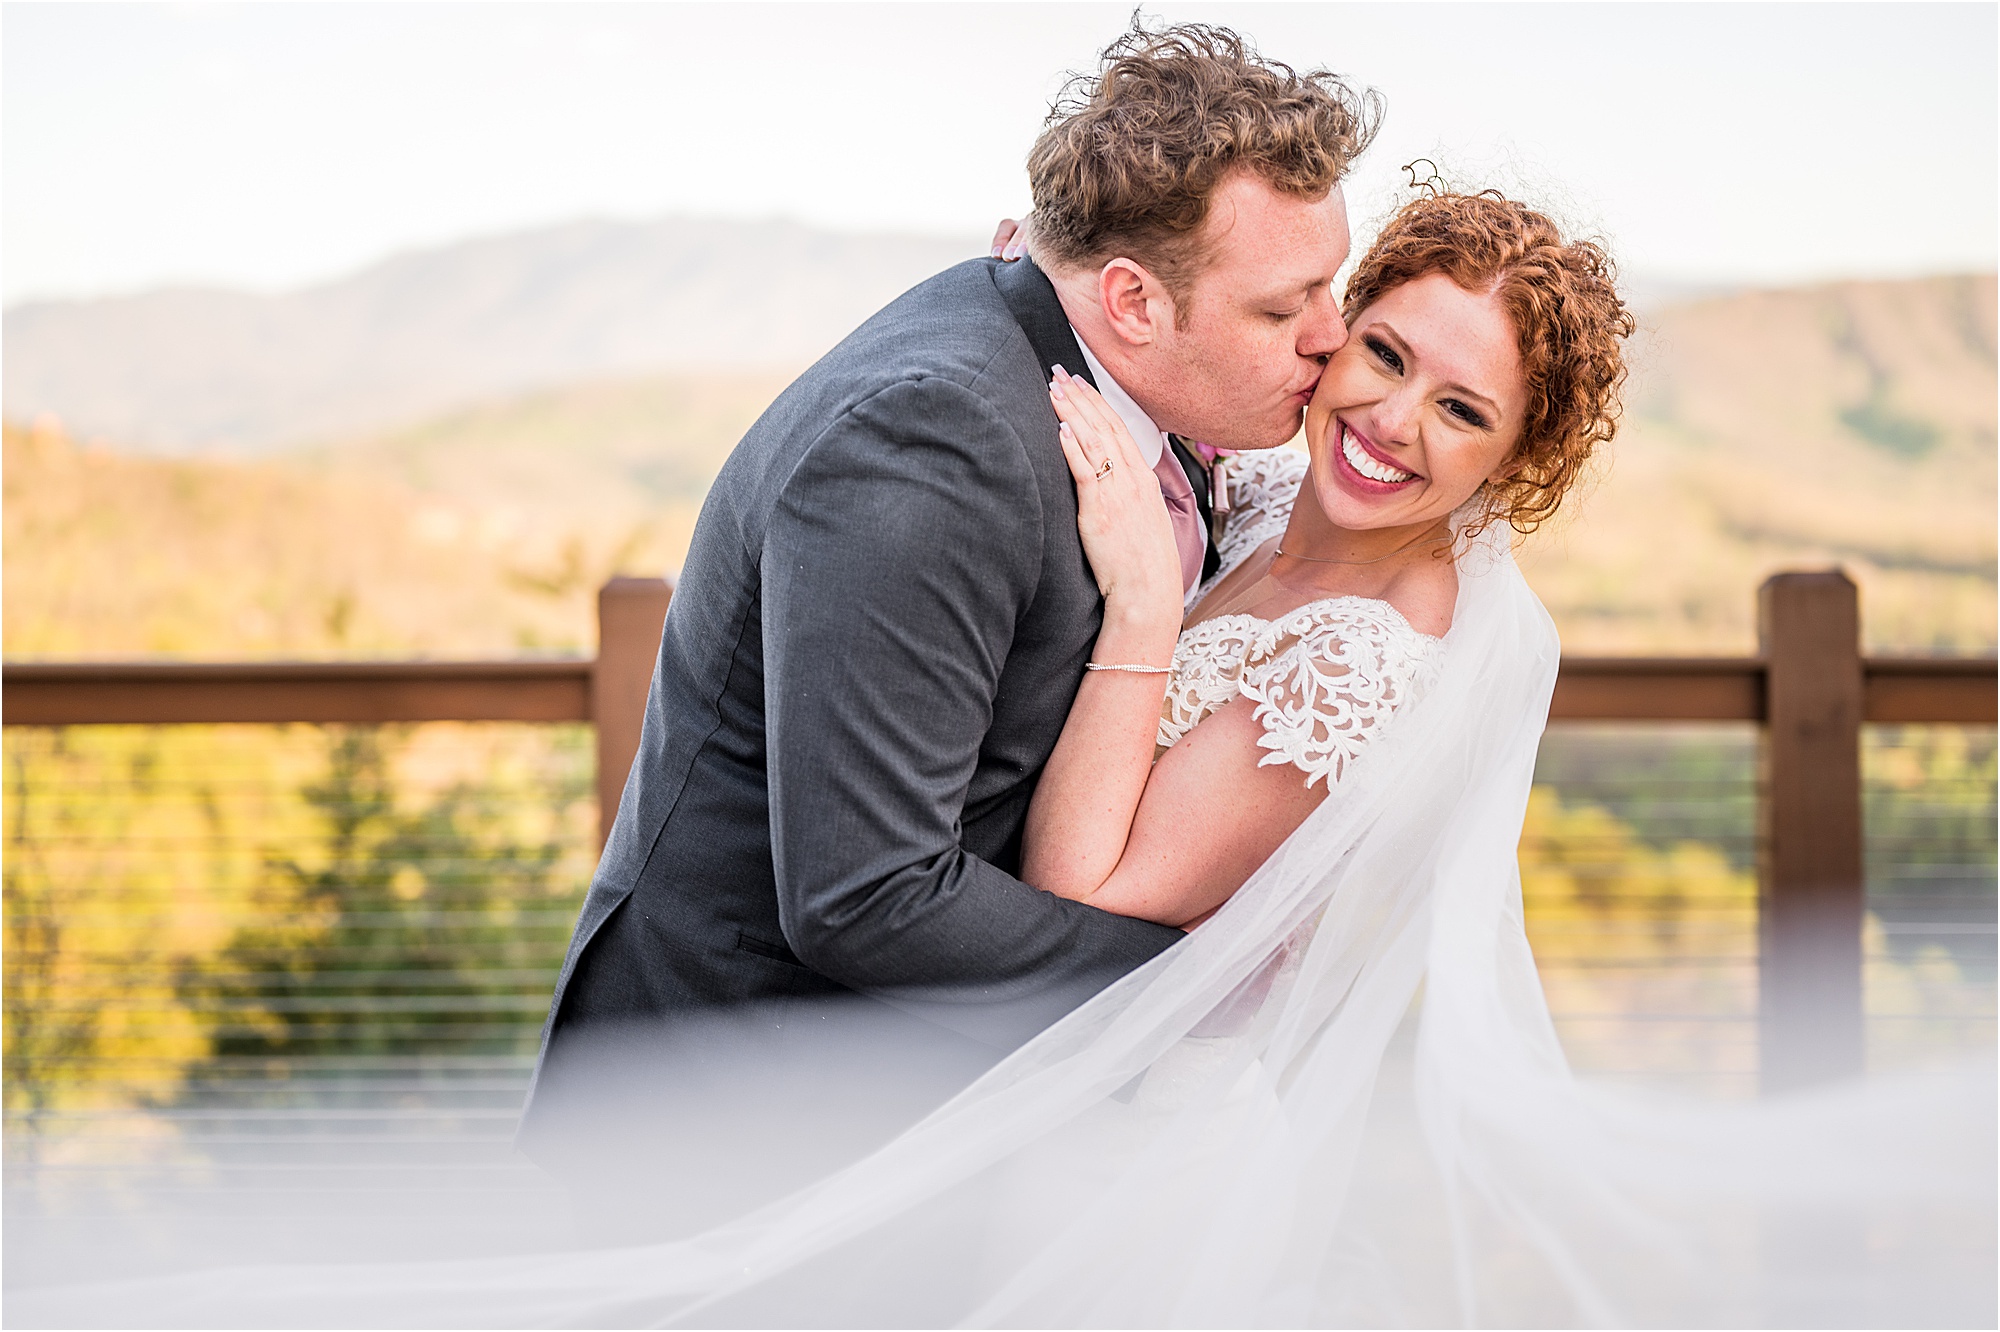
(1563, 299)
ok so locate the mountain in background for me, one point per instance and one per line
(572, 401)
(194, 370)
(186, 370)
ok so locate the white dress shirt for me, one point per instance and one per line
(1152, 441)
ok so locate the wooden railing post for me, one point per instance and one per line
(630, 615)
(1810, 894)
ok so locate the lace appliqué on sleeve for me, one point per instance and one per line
(1208, 659)
(1328, 676)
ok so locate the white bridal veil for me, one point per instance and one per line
(1339, 1102)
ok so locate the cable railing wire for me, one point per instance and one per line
(316, 960)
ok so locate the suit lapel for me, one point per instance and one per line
(1031, 299)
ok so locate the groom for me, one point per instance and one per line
(885, 610)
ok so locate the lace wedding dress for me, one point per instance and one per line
(1340, 1101)
(1325, 677)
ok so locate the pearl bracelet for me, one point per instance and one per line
(1136, 670)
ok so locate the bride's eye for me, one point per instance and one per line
(1385, 354)
(1465, 413)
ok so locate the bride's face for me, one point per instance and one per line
(1422, 405)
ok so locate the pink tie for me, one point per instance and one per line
(1187, 519)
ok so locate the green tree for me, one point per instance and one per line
(411, 931)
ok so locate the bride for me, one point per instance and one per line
(1339, 1100)
(1330, 610)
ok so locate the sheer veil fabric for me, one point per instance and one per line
(1339, 1102)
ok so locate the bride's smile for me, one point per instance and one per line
(1366, 461)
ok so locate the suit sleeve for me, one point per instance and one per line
(898, 561)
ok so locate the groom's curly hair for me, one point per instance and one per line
(1562, 297)
(1131, 156)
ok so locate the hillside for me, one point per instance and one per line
(1852, 423)
(114, 556)
(601, 455)
(427, 331)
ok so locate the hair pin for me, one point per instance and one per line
(1432, 184)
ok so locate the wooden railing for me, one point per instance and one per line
(1810, 689)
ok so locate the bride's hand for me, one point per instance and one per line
(1010, 239)
(1119, 512)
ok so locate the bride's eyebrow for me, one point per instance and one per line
(1382, 327)
(1477, 399)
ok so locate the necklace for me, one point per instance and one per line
(1321, 559)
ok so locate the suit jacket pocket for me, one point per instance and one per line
(777, 952)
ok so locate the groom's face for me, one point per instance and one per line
(1238, 365)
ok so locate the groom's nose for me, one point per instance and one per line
(1322, 332)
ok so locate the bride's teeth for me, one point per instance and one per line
(1364, 462)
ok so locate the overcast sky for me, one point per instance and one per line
(268, 146)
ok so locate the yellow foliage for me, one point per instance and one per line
(1625, 932)
(137, 856)
(1580, 859)
(107, 555)
(129, 850)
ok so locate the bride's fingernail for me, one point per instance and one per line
(1055, 389)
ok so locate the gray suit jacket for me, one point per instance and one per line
(880, 626)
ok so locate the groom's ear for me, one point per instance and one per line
(1136, 304)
